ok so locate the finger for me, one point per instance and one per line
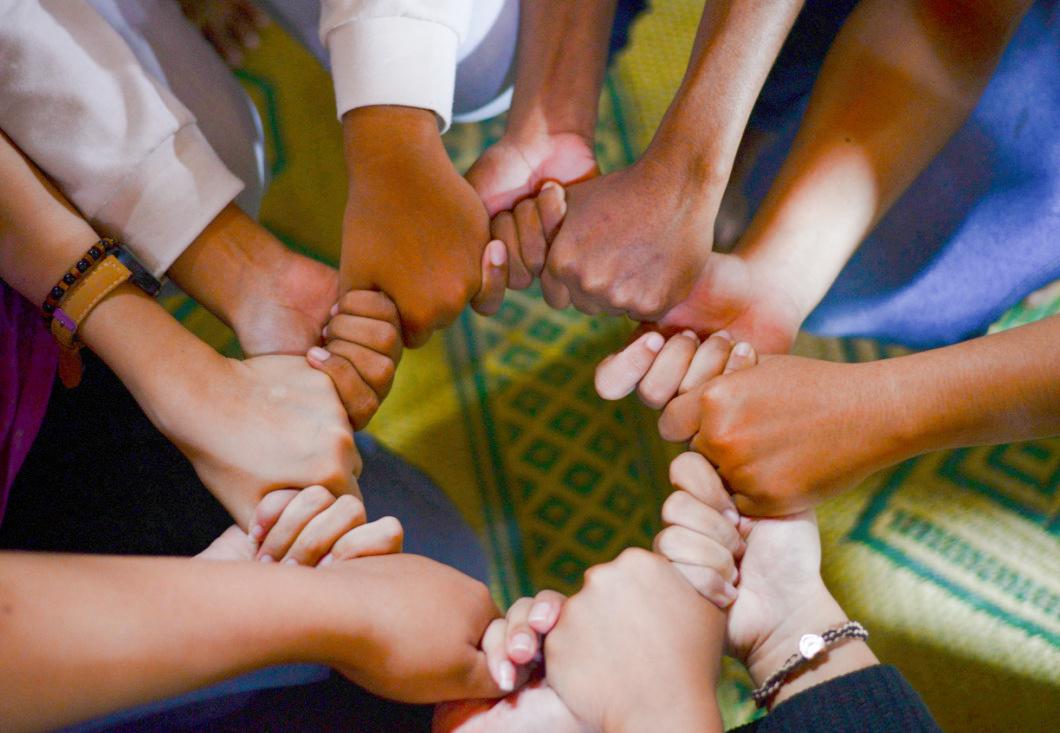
(618, 374)
(743, 355)
(359, 399)
(520, 639)
(680, 419)
(368, 304)
(545, 611)
(693, 473)
(554, 292)
(244, 31)
(384, 536)
(494, 646)
(268, 511)
(503, 228)
(310, 502)
(679, 544)
(551, 208)
(664, 377)
(322, 531)
(708, 362)
(681, 509)
(489, 298)
(257, 16)
(375, 369)
(378, 335)
(531, 236)
(709, 584)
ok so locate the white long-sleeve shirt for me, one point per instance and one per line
(401, 52)
(122, 149)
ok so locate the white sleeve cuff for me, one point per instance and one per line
(394, 60)
(168, 200)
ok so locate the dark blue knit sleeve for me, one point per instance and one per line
(873, 700)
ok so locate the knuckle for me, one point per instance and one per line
(352, 507)
(317, 496)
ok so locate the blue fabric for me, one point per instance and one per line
(977, 231)
(433, 528)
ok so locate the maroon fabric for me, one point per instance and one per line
(28, 359)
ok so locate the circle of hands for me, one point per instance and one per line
(526, 210)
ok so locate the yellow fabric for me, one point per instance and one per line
(950, 561)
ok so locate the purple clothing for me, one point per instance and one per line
(28, 360)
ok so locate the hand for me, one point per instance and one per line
(702, 530)
(307, 527)
(632, 242)
(779, 560)
(511, 643)
(660, 368)
(413, 227)
(744, 299)
(516, 178)
(288, 307)
(231, 26)
(422, 623)
(251, 427)
(791, 431)
(312, 527)
(361, 353)
(533, 708)
(637, 648)
(517, 253)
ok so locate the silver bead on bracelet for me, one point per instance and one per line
(810, 646)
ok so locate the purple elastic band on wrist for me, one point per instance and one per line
(64, 320)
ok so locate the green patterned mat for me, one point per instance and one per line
(952, 560)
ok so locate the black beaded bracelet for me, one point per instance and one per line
(94, 255)
(810, 645)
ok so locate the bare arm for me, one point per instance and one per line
(899, 80)
(83, 636)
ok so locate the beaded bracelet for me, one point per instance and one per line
(810, 645)
(90, 259)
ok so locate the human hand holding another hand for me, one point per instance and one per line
(413, 227)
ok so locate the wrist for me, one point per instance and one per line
(381, 134)
(684, 710)
(815, 613)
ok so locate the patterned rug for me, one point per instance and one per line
(951, 560)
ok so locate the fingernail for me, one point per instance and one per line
(335, 309)
(724, 334)
(266, 559)
(326, 560)
(742, 349)
(256, 532)
(506, 672)
(553, 184)
(290, 561)
(654, 342)
(521, 644)
(690, 334)
(324, 332)
(732, 515)
(498, 253)
(318, 354)
(540, 613)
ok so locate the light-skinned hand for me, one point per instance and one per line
(362, 348)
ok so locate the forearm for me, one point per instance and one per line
(880, 112)
(736, 45)
(1000, 388)
(83, 636)
(560, 66)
